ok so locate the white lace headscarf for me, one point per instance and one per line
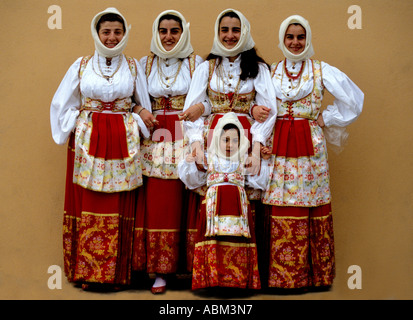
(245, 42)
(100, 47)
(308, 51)
(214, 148)
(182, 49)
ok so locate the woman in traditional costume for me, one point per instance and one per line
(169, 70)
(225, 248)
(92, 108)
(233, 79)
(298, 197)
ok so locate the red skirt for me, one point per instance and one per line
(192, 214)
(299, 249)
(97, 232)
(225, 261)
(164, 204)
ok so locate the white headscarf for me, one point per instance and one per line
(100, 47)
(214, 148)
(182, 49)
(245, 42)
(308, 51)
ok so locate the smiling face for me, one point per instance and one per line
(295, 38)
(229, 142)
(170, 32)
(111, 33)
(229, 31)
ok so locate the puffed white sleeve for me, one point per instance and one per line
(349, 99)
(197, 93)
(265, 96)
(198, 61)
(141, 97)
(143, 61)
(190, 175)
(65, 105)
(259, 181)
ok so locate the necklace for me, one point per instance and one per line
(108, 78)
(225, 79)
(162, 75)
(291, 79)
(289, 75)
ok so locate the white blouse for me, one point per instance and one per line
(68, 99)
(163, 81)
(265, 95)
(194, 178)
(348, 102)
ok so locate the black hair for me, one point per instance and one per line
(249, 59)
(230, 14)
(230, 126)
(171, 17)
(110, 17)
(249, 63)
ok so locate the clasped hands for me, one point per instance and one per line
(191, 114)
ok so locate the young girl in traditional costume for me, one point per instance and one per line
(225, 251)
(298, 196)
(92, 108)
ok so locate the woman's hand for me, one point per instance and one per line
(147, 117)
(190, 158)
(265, 153)
(320, 121)
(253, 162)
(260, 113)
(193, 112)
(198, 155)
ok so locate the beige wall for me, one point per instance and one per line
(372, 179)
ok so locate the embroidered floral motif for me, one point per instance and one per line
(99, 174)
(226, 225)
(301, 252)
(162, 251)
(97, 248)
(70, 235)
(139, 250)
(220, 104)
(161, 159)
(172, 103)
(190, 247)
(226, 265)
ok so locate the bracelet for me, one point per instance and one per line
(140, 111)
(255, 105)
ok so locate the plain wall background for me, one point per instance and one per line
(372, 179)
